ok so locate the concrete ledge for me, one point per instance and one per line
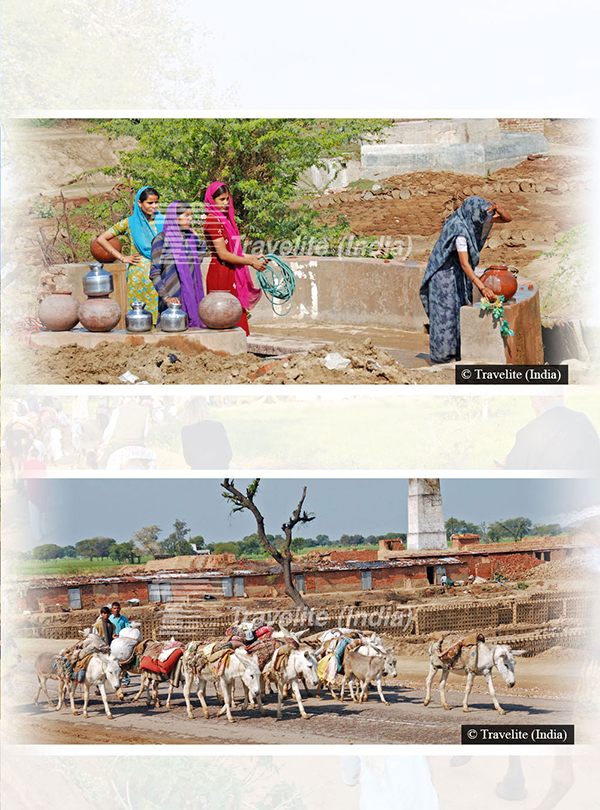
(386, 160)
(358, 292)
(226, 341)
(455, 130)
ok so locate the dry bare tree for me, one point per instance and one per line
(282, 552)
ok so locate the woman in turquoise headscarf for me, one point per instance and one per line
(138, 231)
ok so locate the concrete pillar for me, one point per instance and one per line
(425, 515)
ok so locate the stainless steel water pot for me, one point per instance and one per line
(138, 319)
(98, 281)
(174, 318)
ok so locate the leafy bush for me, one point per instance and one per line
(260, 159)
(571, 284)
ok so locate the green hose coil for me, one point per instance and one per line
(278, 284)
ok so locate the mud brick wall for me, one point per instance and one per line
(535, 125)
(50, 600)
(120, 592)
(465, 617)
(149, 629)
(328, 581)
(355, 554)
(511, 565)
(415, 576)
(46, 600)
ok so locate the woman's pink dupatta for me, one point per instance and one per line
(248, 294)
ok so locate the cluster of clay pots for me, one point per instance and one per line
(61, 311)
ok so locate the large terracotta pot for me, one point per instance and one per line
(59, 312)
(500, 280)
(220, 310)
(102, 255)
(99, 314)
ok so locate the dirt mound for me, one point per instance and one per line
(173, 362)
(546, 197)
(576, 567)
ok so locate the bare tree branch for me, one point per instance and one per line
(241, 501)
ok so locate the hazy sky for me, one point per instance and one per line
(117, 508)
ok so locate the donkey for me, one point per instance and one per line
(296, 665)
(45, 671)
(239, 665)
(488, 657)
(102, 667)
(368, 664)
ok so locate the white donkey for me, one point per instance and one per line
(102, 667)
(488, 657)
(296, 666)
(239, 665)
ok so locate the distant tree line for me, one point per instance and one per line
(514, 529)
(146, 542)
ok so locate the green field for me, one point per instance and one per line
(69, 567)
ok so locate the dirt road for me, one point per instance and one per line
(405, 721)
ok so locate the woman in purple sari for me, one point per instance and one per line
(175, 268)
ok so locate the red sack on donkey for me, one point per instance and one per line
(162, 667)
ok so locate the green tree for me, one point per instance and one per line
(104, 546)
(352, 540)
(69, 551)
(86, 548)
(146, 540)
(48, 551)
(455, 526)
(513, 528)
(197, 541)
(261, 159)
(176, 544)
(124, 552)
(251, 544)
(546, 530)
(231, 547)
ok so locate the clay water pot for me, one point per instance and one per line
(220, 310)
(59, 312)
(102, 255)
(500, 280)
(100, 314)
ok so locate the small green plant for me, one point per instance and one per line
(497, 309)
(521, 586)
(41, 209)
(570, 284)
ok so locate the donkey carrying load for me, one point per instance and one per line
(156, 661)
(469, 656)
(287, 668)
(221, 667)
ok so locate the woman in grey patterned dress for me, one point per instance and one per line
(448, 282)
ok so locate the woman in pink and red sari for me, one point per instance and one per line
(228, 268)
